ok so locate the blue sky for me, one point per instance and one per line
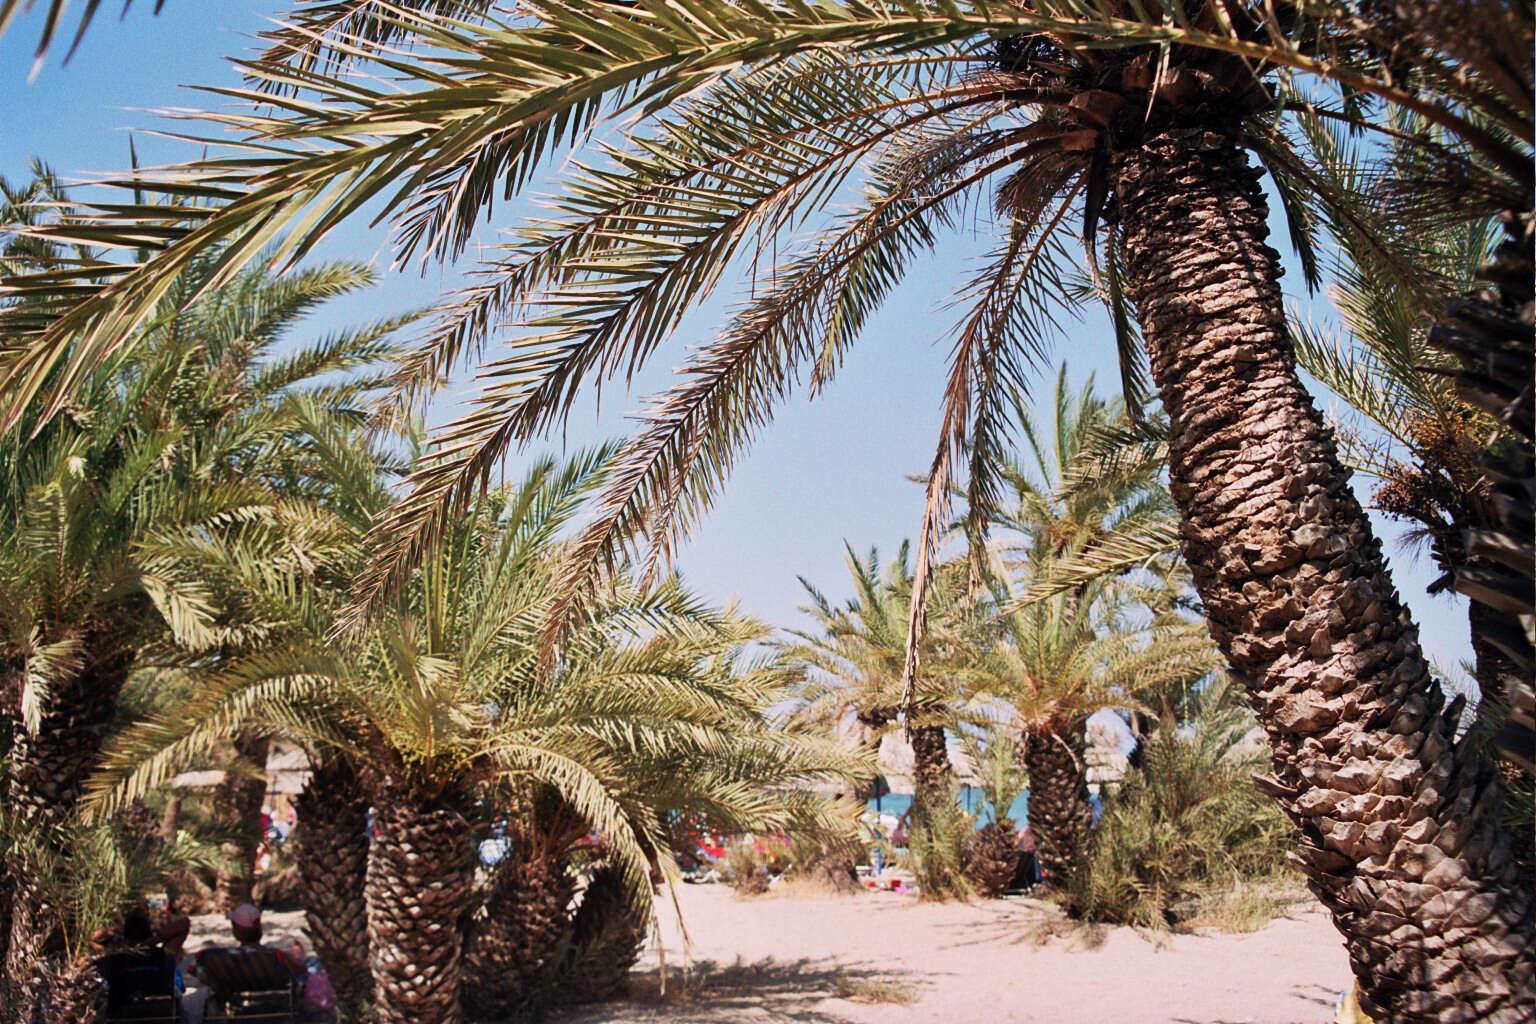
(833, 469)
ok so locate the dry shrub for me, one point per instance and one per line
(873, 990)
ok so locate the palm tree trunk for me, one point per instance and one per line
(1059, 812)
(63, 991)
(511, 949)
(1501, 721)
(932, 778)
(237, 806)
(417, 890)
(47, 772)
(992, 858)
(332, 837)
(938, 832)
(607, 934)
(170, 819)
(1399, 829)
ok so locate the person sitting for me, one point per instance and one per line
(140, 977)
(319, 995)
(249, 977)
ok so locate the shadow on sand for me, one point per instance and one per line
(806, 991)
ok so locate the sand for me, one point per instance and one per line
(777, 958)
(888, 959)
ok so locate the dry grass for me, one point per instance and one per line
(873, 990)
(1075, 935)
(1246, 907)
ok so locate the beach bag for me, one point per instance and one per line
(318, 993)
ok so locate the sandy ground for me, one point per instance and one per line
(786, 958)
(778, 958)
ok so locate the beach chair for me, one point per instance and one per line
(250, 986)
(140, 986)
(1023, 879)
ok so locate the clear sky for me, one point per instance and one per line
(825, 471)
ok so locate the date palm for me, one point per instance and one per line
(444, 703)
(117, 517)
(1137, 123)
(992, 854)
(1056, 662)
(850, 666)
(87, 875)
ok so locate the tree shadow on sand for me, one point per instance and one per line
(806, 991)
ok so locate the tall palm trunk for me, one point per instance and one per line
(932, 777)
(417, 890)
(1399, 828)
(237, 806)
(47, 771)
(1059, 812)
(332, 837)
(938, 832)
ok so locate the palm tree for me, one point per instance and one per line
(116, 517)
(88, 874)
(851, 667)
(1186, 819)
(1149, 138)
(1086, 492)
(992, 854)
(332, 857)
(1055, 663)
(444, 703)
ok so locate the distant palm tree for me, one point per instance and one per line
(1054, 664)
(851, 668)
(851, 663)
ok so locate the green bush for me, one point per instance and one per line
(1185, 828)
(936, 849)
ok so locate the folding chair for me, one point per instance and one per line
(140, 986)
(251, 986)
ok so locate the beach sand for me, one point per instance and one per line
(888, 959)
(782, 958)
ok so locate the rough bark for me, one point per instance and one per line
(237, 806)
(991, 858)
(418, 888)
(63, 991)
(513, 945)
(932, 777)
(1059, 812)
(47, 771)
(332, 860)
(1503, 719)
(1400, 835)
(938, 831)
(607, 934)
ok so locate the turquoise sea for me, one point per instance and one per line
(969, 797)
